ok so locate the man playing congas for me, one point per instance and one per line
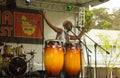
(62, 34)
(72, 57)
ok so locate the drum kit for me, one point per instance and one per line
(13, 61)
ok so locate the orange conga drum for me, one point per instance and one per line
(53, 57)
(72, 63)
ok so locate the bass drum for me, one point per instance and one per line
(17, 66)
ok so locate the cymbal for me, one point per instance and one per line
(1, 44)
(31, 53)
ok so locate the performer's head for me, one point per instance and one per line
(67, 25)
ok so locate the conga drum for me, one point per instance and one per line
(53, 58)
(72, 63)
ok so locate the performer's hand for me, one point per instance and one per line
(44, 12)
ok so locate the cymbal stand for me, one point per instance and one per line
(30, 63)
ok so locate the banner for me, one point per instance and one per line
(21, 25)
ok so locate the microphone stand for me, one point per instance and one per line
(88, 72)
(95, 51)
(80, 52)
(95, 60)
(97, 44)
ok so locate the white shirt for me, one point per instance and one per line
(64, 37)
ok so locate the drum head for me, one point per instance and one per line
(55, 43)
(17, 66)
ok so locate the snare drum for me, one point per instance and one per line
(53, 57)
(72, 61)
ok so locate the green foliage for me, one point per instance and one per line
(88, 18)
(104, 20)
(88, 15)
(105, 40)
(118, 71)
(107, 25)
(111, 46)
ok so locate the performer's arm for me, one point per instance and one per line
(56, 29)
(72, 37)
